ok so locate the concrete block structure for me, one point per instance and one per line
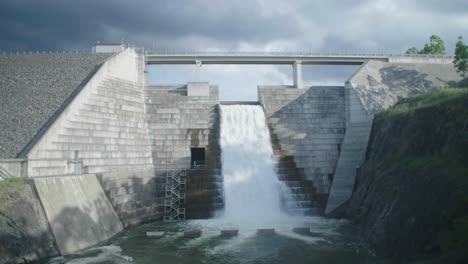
(178, 123)
(310, 126)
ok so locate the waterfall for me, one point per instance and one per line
(252, 190)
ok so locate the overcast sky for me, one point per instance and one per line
(389, 26)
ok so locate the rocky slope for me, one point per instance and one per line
(411, 195)
(24, 231)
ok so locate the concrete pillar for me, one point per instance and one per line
(297, 74)
(198, 65)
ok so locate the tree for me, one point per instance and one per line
(461, 57)
(436, 45)
(413, 50)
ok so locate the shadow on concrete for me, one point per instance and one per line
(76, 229)
(314, 124)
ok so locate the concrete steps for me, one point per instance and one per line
(300, 199)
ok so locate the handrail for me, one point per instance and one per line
(175, 187)
(293, 54)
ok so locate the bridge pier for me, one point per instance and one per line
(198, 65)
(297, 74)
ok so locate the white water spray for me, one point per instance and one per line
(251, 188)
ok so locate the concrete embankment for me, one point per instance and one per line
(79, 213)
(24, 230)
(411, 193)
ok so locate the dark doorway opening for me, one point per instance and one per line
(198, 157)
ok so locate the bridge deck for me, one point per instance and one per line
(272, 58)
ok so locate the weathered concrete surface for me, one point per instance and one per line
(198, 89)
(193, 233)
(103, 129)
(411, 192)
(156, 235)
(32, 88)
(78, 211)
(25, 235)
(177, 122)
(137, 196)
(229, 232)
(375, 87)
(309, 124)
(379, 85)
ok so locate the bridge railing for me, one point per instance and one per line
(291, 54)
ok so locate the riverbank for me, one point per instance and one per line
(411, 194)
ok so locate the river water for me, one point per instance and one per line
(330, 242)
(252, 194)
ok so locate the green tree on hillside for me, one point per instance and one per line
(436, 45)
(461, 57)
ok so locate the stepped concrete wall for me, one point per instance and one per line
(32, 88)
(103, 129)
(375, 87)
(79, 213)
(177, 122)
(310, 125)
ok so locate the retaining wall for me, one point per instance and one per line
(78, 211)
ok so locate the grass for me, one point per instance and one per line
(409, 105)
(11, 190)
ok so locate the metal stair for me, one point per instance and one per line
(175, 195)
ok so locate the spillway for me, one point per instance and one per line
(252, 191)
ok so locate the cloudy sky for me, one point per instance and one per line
(389, 26)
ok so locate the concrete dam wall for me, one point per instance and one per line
(104, 156)
(102, 129)
(182, 122)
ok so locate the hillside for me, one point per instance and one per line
(411, 194)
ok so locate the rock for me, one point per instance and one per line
(301, 230)
(192, 233)
(24, 229)
(155, 234)
(229, 232)
(266, 231)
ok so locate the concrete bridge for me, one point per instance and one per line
(286, 58)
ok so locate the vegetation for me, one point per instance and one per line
(436, 45)
(428, 154)
(461, 57)
(411, 104)
(11, 191)
(452, 239)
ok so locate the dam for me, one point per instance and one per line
(97, 142)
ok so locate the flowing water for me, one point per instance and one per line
(252, 200)
(252, 190)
